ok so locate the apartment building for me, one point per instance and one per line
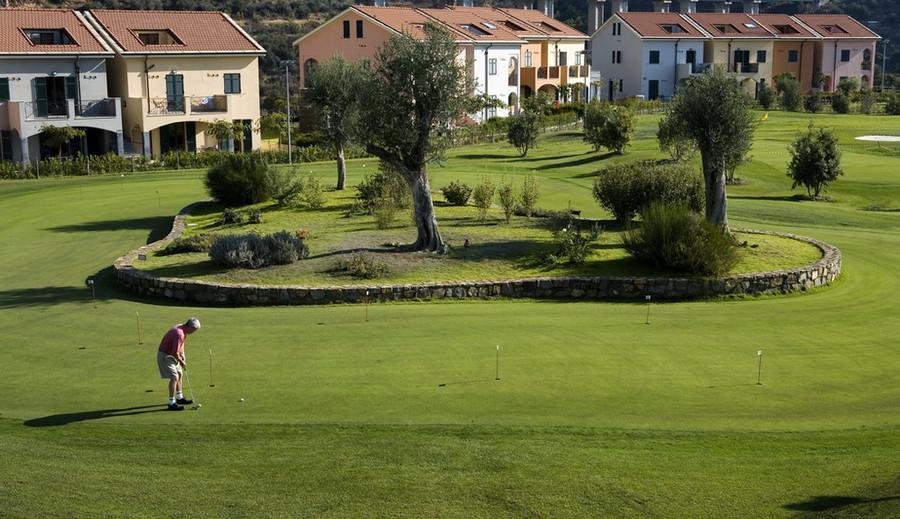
(510, 53)
(53, 72)
(756, 49)
(176, 73)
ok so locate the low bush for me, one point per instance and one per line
(529, 194)
(385, 212)
(867, 100)
(253, 251)
(182, 244)
(285, 186)
(840, 103)
(507, 195)
(312, 195)
(813, 103)
(766, 97)
(375, 189)
(231, 217)
(483, 196)
(608, 126)
(625, 189)
(239, 179)
(254, 216)
(790, 96)
(674, 237)
(572, 245)
(363, 266)
(892, 105)
(457, 193)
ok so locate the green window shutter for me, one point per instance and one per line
(71, 87)
(40, 96)
(4, 89)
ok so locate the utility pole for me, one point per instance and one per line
(883, 64)
(287, 94)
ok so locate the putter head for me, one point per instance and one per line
(196, 406)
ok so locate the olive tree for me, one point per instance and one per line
(416, 91)
(332, 89)
(714, 113)
(815, 160)
(60, 136)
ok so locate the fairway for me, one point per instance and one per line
(596, 413)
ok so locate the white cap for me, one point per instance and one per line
(193, 322)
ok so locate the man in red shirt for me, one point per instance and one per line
(170, 359)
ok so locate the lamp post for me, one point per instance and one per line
(287, 96)
(883, 64)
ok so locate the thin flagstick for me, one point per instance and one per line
(138, 317)
(211, 384)
(367, 306)
(759, 369)
(647, 298)
(498, 362)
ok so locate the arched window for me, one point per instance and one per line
(513, 104)
(308, 67)
(528, 58)
(864, 82)
(867, 59)
(513, 79)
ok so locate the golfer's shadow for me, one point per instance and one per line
(67, 418)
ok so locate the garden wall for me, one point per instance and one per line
(820, 273)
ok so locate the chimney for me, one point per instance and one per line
(619, 6)
(379, 3)
(722, 7)
(662, 6)
(548, 7)
(688, 6)
(596, 14)
(752, 6)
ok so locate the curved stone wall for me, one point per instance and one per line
(823, 272)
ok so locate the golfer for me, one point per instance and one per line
(170, 359)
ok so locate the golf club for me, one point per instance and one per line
(196, 405)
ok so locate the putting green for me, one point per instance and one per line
(596, 412)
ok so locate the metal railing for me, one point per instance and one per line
(166, 106)
(745, 68)
(209, 104)
(46, 110)
(96, 108)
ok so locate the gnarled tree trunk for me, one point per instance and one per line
(714, 180)
(341, 168)
(429, 236)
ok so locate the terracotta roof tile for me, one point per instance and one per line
(13, 40)
(405, 20)
(473, 26)
(836, 26)
(731, 25)
(651, 25)
(553, 28)
(198, 31)
(519, 27)
(783, 26)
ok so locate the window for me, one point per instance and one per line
(549, 26)
(672, 28)
(157, 37)
(492, 67)
(621, 86)
(786, 29)
(232, 83)
(617, 28)
(309, 66)
(489, 25)
(578, 58)
(845, 55)
(867, 59)
(346, 28)
(726, 28)
(690, 57)
(563, 59)
(742, 56)
(654, 57)
(750, 25)
(359, 29)
(4, 89)
(527, 58)
(6, 145)
(492, 111)
(793, 56)
(617, 56)
(49, 37)
(760, 56)
(834, 29)
(512, 26)
(474, 29)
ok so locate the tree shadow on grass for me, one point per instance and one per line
(515, 157)
(586, 158)
(43, 296)
(159, 226)
(56, 420)
(827, 503)
(785, 198)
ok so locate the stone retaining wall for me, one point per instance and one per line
(823, 272)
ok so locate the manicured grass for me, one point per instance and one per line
(596, 413)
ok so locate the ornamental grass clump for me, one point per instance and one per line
(195, 243)
(457, 193)
(253, 251)
(674, 237)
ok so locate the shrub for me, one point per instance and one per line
(572, 245)
(284, 186)
(385, 184)
(231, 217)
(867, 101)
(253, 251)
(254, 216)
(847, 86)
(813, 103)
(625, 189)
(523, 131)
(239, 179)
(457, 193)
(528, 197)
(507, 195)
(484, 197)
(892, 106)
(815, 160)
(840, 103)
(384, 211)
(673, 237)
(766, 97)
(673, 139)
(788, 89)
(363, 266)
(195, 243)
(608, 126)
(312, 195)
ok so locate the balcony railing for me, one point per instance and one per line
(46, 110)
(745, 68)
(209, 104)
(96, 108)
(166, 106)
(548, 72)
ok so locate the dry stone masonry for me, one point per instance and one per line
(823, 272)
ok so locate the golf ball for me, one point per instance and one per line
(199, 406)
(242, 399)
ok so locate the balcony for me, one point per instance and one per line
(187, 105)
(57, 110)
(96, 108)
(42, 110)
(684, 70)
(745, 68)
